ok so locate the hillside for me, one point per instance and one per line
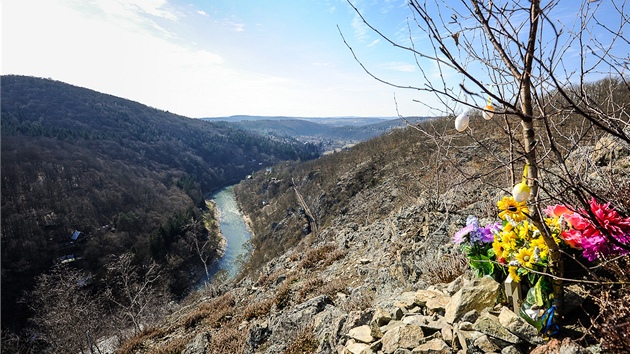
(127, 176)
(351, 246)
(329, 133)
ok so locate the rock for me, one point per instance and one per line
(466, 339)
(329, 323)
(358, 348)
(434, 346)
(515, 324)
(257, 335)
(405, 336)
(431, 299)
(470, 316)
(381, 317)
(608, 149)
(406, 300)
(361, 334)
(490, 325)
(476, 295)
(357, 318)
(511, 350)
(447, 333)
(455, 285)
(364, 261)
(391, 325)
(465, 326)
(485, 344)
(199, 344)
(398, 313)
(375, 330)
(555, 346)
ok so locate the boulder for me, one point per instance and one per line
(405, 336)
(361, 334)
(381, 317)
(391, 325)
(511, 350)
(485, 345)
(406, 300)
(358, 348)
(475, 295)
(490, 325)
(434, 346)
(521, 328)
(199, 344)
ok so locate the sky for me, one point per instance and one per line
(210, 58)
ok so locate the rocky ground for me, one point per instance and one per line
(393, 284)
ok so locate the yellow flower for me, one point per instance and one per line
(499, 249)
(542, 246)
(525, 257)
(510, 208)
(515, 277)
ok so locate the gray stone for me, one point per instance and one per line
(455, 285)
(406, 336)
(466, 339)
(511, 350)
(470, 316)
(434, 346)
(431, 299)
(391, 325)
(381, 317)
(406, 300)
(358, 348)
(199, 344)
(475, 295)
(515, 324)
(447, 333)
(361, 334)
(485, 344)
(490, 325)
(257, 334)
(465, 326)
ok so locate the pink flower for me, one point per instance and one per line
(556, 211)
(585, 233)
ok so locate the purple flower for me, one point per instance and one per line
(459, 236)
(475, 233)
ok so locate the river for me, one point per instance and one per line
(234, 230)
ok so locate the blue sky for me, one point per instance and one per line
(211, 58)
(222, 57)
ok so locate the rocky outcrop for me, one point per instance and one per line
(435, 322)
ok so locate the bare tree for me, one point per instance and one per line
(66, 310)
(518, 62)
(201, 241)
(137, 291)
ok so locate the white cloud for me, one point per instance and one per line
(202, 13)
(360, 28)
(374, 42)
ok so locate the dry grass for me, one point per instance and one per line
(213, 312)
(304, 342)
(139, 340)
(258, 309)
(228, 340)
(314, 256)
(443, 269)
(283, 296)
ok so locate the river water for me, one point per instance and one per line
(233, 228)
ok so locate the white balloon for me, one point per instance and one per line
(461, 122)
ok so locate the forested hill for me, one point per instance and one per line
(124, 174)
